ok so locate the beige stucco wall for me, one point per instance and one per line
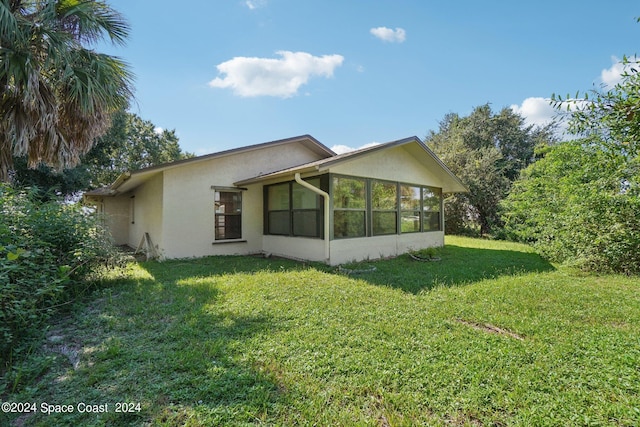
(116, 215)
(394, 164)
(147, 200)
(348, 250)
(188, 207)
(175, 205)
(295, 247)
(376, 247)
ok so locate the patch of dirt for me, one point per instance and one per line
(58, 343)
(131, 254)
(492, 329)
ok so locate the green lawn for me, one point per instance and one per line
(490, 335)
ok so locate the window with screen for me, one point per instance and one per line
(410, 221)
(349, 207)
(384, 207)
(431, 202)
(228, 215)
(294, 210)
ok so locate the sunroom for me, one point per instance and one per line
(368, 204)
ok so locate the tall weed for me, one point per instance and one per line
(47, 249)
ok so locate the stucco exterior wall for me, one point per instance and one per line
(175, 203)
(147, 212)
(376, 247)
(394, 164)
(295, 247)
(116, 215)
(188, 206)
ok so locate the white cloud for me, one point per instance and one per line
(388, 35)
(539, 111)
(255, 4)
(341, 149)
(613, 75)
(250, 76)
(536, 111)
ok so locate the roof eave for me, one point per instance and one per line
(458, 188)
(121, 179)
(316, 146)
(277, 175)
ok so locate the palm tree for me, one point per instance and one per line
(56, 93)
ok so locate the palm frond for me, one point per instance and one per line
(90, 20)
(56, 95)
(8, 22)
(95, 81)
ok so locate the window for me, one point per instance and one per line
(431, 208)
(228, 215)
(384, 207)
(410, 209)
(306, 213)
(278, 209)
(349, 207)
(293, 210)
(370, 207)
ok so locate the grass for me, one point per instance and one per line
(490, 335)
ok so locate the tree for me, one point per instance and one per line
(610, 118)
(56, 93)
(577, 204)
(48, 251)
(130, 143)
(613, 115)
(47, 182)
(486, 151)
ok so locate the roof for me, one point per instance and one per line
(134, 178)
(130, 180)
(454, 183)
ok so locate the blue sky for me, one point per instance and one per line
(229, 73)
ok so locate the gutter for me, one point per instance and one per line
(327, 247)
(109, 191)
(120, 180)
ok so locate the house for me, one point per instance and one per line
(293, 198)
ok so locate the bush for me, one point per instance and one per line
(579, 205)
(47, 250)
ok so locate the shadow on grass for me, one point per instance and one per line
(458, 265)
(166, 339)
(172, 347)
(176, 270)
(187, 350)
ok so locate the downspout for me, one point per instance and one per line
(327, 250)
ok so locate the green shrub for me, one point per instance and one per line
(47, 249)
(579, 205)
